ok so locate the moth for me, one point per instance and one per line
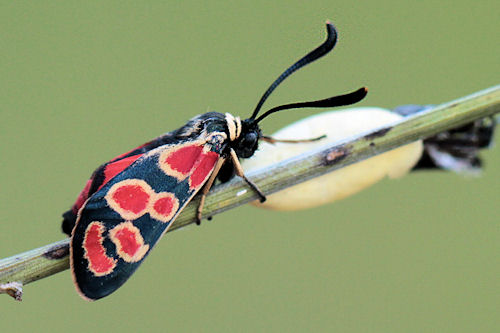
(132, 200)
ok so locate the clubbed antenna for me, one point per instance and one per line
(340, 100)
(315, 54)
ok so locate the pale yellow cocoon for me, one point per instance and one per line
(338, 184)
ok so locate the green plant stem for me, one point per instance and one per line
(53, 258)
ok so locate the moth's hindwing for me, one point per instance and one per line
(120, 223)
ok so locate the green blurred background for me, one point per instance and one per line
(81, 83)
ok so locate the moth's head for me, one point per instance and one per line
(247, 140)
(246, 133)
(243, 135)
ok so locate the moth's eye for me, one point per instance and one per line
(250, 139)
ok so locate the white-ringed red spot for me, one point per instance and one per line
(130, 198)
(95, 253)
(164, 206)
(133, 198)
(129, 242)
(178, 162)
(191, 160)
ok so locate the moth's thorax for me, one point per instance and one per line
(215, 141)
(240, 135)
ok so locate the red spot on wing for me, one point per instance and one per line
(114, 168)
(95, 253)
(183, 159)
(190, 160)
(164, 207)
(129, 242)
(132, 198)
(203, 169)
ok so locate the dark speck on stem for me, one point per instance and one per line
(336, 155)
(377, 134)
(57, 252)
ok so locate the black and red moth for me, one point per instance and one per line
(132, 200)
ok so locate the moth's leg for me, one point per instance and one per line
(207, 187)
(273, 140)
(226, 172)
(239, 172)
